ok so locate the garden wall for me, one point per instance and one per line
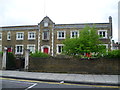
(69, 65)
(0, 61)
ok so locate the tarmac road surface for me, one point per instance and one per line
(31, 84)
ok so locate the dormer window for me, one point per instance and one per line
(45, 24)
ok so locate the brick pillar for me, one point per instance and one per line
(4, 58)
(26, 59)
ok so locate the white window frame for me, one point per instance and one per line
(29, 33)
(74, 32)
(20, 36)
(0, 48)
(58, 48)
(48, 35)
(19, 52)
(33, 45)
(61, 37)
(1, 35)
(8, 35)
(102, 34)
(45, 24)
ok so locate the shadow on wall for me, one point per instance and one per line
(0, 61)
(64, 65)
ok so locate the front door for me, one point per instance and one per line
(45, 50)
(9, 49)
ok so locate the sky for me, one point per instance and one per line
(31, 12)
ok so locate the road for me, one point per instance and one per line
(31, 84)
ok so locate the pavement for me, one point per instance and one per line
(67, 78)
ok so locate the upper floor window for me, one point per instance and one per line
(9, 36)
(102, 33)
(45, 35)
(31, 35)
(31, 48)
(19, 49)
(19, 35)
(0, 36)
(61, 34)
(45, 24)
(74, 34)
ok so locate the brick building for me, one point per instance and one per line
(47, 36)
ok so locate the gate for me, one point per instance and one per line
(20, 62)
(14, 63)
(10, 61)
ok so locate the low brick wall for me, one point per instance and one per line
(67, 65)
(0, 61)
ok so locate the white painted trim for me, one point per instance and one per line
(57, 47)
(39, 38)
(29, 35)
(17, 36)
(16, 49)
(52, 52)
(74, 31)
(61, 37)
(105, 34)
(42, 48)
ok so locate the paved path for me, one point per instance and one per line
(69, 78)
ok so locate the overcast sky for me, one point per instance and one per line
(31, 12)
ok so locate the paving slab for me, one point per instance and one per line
(98, 79)
(75, 78)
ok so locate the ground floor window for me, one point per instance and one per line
(59, 48)
(31, 48)
(19, 49)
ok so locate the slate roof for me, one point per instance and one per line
(57, 26)
(97, 25)
(27, 27)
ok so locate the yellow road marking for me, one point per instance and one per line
(59, 83)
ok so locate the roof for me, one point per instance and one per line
(26, 27)
(57, 26)
(97, 25)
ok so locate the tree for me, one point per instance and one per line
(87, 42)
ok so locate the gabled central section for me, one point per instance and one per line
(46, 27)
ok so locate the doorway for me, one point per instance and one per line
(45, 50)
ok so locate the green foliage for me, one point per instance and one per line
(1, 52)
(87, 42)
(113, 54)
(39, 54)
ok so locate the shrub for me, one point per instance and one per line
(1, 52)
(113, 54)
(39, 54)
